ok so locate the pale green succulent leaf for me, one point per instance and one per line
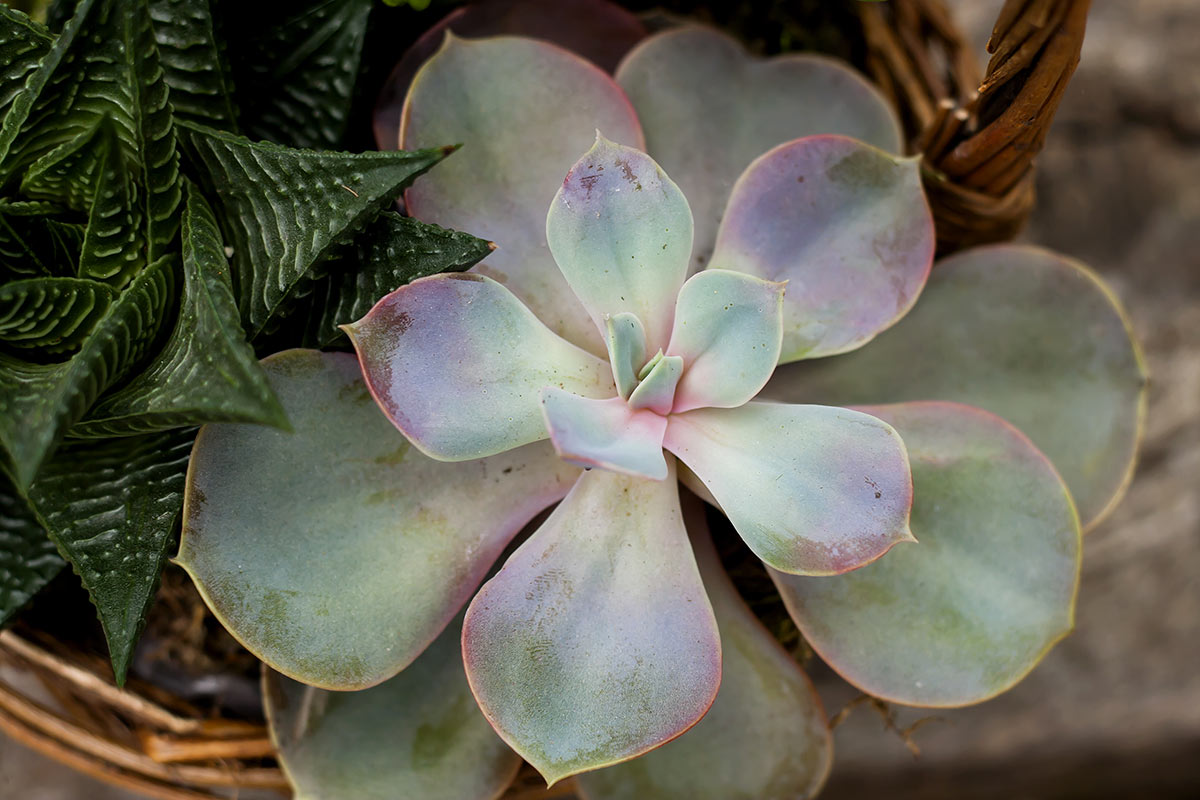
(625, 340)
(608, 433)
(989, 588)
(275, 522)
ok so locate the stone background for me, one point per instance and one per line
(1114, 711)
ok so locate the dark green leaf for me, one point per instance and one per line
(206, 372)
(53, 315)
(37, 245)
(193, 60)
(39, 402)
(392, 251)
(115, 242)
(286, 210)
(68, 173)
(23, 44)
(28, 559)
(111, 508)
(304, 67)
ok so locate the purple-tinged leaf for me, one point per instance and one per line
(813, 490)
(524, 110)
(969, 611)
(338, 553)
(845, 224)
(600, 31)
(1024, 333)
(596, 643)
(621, 232)
(709, 108)
(416, 735)
(605, 433)
(458, 364)
(765, 737)
(728, 329)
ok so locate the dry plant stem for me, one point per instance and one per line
(169, 750)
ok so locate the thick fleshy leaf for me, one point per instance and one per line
(709, 108)
(206, 372)
(765, 737)
(28, 558)
(417, 735)
(626, 343)
(193, 62)
(53, 315)
(599, 30)
(35, 244)
(728, 329)
(605, 433)
(23, 44)
(813, 490)
(111, 507)
(845, 224)
(621, 232)
(969, 611)
(337, 553)
(595, 642)
(1024, 333)
(656, 392)
(458, 364)
(286, 210)
(524, 111)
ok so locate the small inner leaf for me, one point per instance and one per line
(626, 341)
(656, 392)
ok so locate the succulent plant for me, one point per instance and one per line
(343, 553)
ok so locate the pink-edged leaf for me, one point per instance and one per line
(458, 364)
(621, 232)
(595, 642)
(845, 224)
(1025, 333)
(813, 490)
(709, 108)
(605, 433)
(728, 329)
(765, 737)
(969, 611)
(337, 553)
(599, 30)
(417, 735)
(524, 110)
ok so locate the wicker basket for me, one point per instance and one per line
(978, 138)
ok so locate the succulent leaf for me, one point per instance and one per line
(1026, 334)
(765, 737)
(599, 30)
(656, 392)
(193, 63)
(337, 553)
(458, 364)
(709, 108)
(626, 341)
(621, 233)
(728, 330)
(813, 490)
(846, 224)
(418, 734)
(610, 434)
(595, 642)
(23, 45)
(54, 315)
(28, 558)
(527, 109)
(969, 611)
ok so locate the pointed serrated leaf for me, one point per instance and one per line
(23, 45)
(206, 372)
(285, 210)
(194, 63)
(116, 239)
(391, 252)
(298, 76)
(111, 508)
(52, 315)
(39, 402)
(28, 559)
(68, 173)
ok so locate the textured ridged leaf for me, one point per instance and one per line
(418, 735)
(285, 209)
(39, 402)
(23, 44)
(391, 252)
(206, 372)
(28, 558)
(989, 587)
(68, 174)
(193, 62)
(307, 60)
(114, 241)
(53, 315)
(33, 242)
(104, 71)
(111, 509)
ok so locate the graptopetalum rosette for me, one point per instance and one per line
(343, 551)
